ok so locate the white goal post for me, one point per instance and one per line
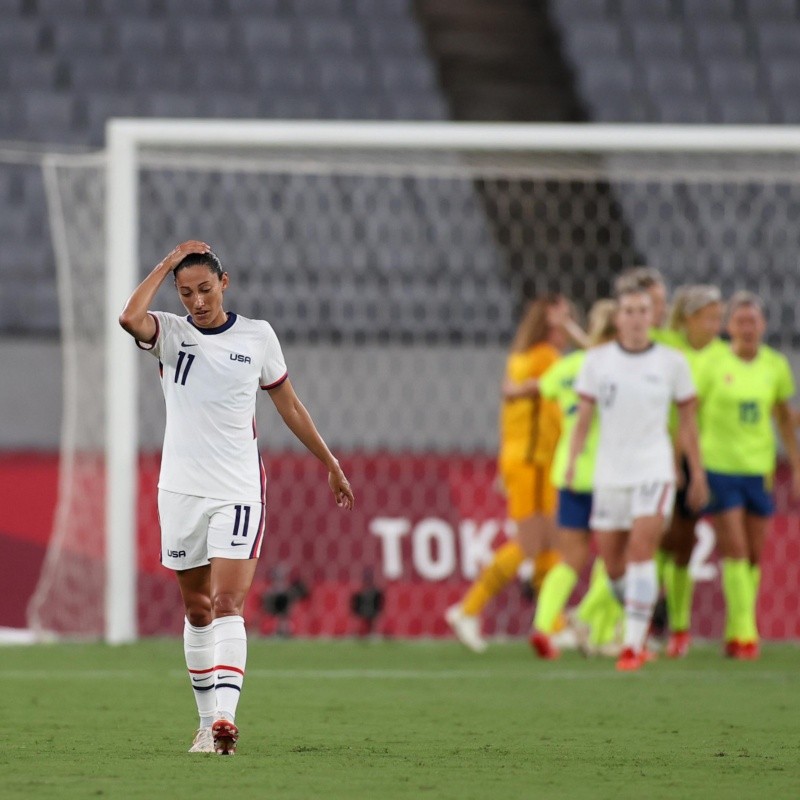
(126, 140)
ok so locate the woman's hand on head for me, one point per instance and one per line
(175, 256)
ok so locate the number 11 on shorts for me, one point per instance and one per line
(238, 520)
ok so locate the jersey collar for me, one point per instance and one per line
(636, 352)
(219, 329)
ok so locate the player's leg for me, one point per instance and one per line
(464, 617)
(728, 518)
(678, 584)
(759, 509)
(574, 510)
(183, 549)
(235, 535)
(650, 505)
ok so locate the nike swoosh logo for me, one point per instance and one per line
(226, 677)
(239, 544)
(199, 680)
(188, 344)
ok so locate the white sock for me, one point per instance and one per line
(230, 657)
(198, 647)
(641, 593)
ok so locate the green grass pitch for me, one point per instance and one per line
(399, 719)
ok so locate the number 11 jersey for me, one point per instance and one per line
(210, 378)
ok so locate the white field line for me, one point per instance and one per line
(400, 674)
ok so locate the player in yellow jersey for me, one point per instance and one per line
(695, 325)
(740, 390)
(575, 502)
(529, 431)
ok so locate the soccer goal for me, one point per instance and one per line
(393, 260)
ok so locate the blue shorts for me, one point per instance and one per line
(740, 491)
(574, 509)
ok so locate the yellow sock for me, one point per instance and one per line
(495, 577)
(543, 563)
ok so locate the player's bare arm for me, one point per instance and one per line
(513, 391)
(134, 317)
(697, 494)
(299, 422)
(579, 434)
(784, 420)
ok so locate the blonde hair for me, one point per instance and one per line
(533, 328)
(637, 279)
(691, 299)
(744, 299)
(602, 325)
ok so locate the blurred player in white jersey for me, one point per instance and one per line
(212, 487)
(632, 383)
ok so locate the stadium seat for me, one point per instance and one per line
(48, 114)
(681, 109)
(144, 75)
(564, 11)
(657, 39)
(31, 72)
(731, 78)
(646, 9)
(588, 40)
(232, 105)
(783, 77)
(247, 8)
(220, 72)
(717, 10)
(719, 39)
(342, 72)
(172, 104)
(771, 9)
(142, 36)
(329, 9)
(666, 78)
(400, 36)
(131, 8)
(204, 35)
(183, 9)
(75, 37)
(742, 109)
(398, 9)
(406, 72)
(49, 9)
(275, 72)
(25, 35)
(268, 38)
(327, 36)
(88, 73)
(99, 106)
(778, 39)
(607, 75)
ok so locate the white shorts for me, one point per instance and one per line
(615, 509)
(196, 529)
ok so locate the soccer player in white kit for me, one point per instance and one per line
(632, 383)
(212, 487)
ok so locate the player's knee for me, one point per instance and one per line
(226, 604)
(199, 615)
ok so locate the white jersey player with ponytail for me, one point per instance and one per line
(212, 487)
(631, 384)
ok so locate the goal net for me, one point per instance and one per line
(393, 262)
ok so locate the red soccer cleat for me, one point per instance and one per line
(629, 660)
(749, 651)
(225, 735)
(733, 648)
(678, 645)
(543, 647)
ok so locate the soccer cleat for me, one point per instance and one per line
(749, 651)
(466, 628)
(678, 645)
(543, 647)
(733, 648)
(629, 660)
(203, 741)
(225, 735)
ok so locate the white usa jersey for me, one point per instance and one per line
(633, 393)
(210, 378)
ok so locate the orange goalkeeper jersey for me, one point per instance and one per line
(529, 426)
